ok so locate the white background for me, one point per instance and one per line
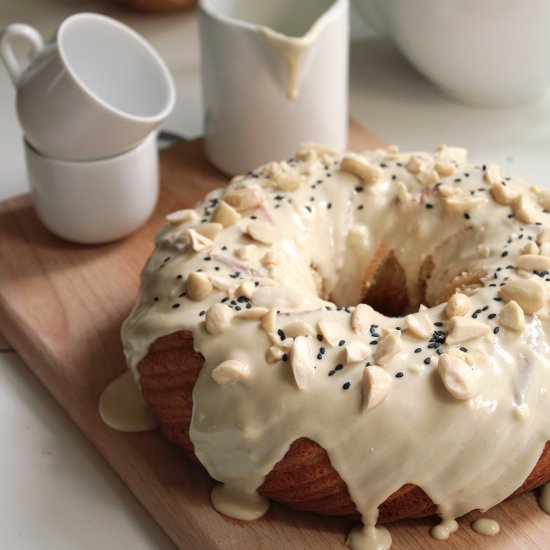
(56, 492)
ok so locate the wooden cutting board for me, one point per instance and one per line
(61, 307)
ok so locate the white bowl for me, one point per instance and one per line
(93, 202)
(487, 52)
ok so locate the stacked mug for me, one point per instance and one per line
(89, 103)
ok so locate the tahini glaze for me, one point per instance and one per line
(464, 453)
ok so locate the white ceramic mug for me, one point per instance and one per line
(486, 52)
(97, 201)
(96, 90)
(274, 74)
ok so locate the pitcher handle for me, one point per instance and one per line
(31, 35)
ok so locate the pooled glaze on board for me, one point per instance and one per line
(463, 410)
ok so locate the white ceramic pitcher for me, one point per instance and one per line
(274, 74)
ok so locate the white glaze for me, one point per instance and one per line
(544, 499)
(292, 49)
(480, 451)
(121, 406)
(444, 529)
(486, 526)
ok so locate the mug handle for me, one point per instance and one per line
(6, 51)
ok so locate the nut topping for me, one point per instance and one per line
(246, 198)
(252, 313)
(246, 289)
(263, 232)
(463, 355)
(357, 351)
(531, 248)
(301, 362)
(331, 331)
(246, 252)
(181, 216)
(299, 328)
(290, 183)
(523, 210)
(460, 204)
(492, 174)
(458, 377)
(414, 165)
(512, 317)
(529, 294)
(543, 236)
(198, 242)
(360, 318)
(209, 230)
(230, 372)
(218, 318)
(402, 194)
(198, 286)
(543, 198)
(458, 305)
(376, 386)
(362, 168)
(309, 151)
(419, 325)
(387, 348)
(463, 329)
(533, 262)
(444, 168)
(274, 354)
(225, 214)
(502, 194)
(269, 321)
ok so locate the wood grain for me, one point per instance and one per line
(61, 307)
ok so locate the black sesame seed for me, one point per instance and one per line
(156, 299)
(417, 350)
(225, 299)
(427, 361)
(492, 315)
(179, 277)
(438, 324)
(183, 295)
(284, 357)
(202, 313)
(373, 343)
(207, 258)
(346, 386)
(428, 205)
(497, 298)
(466, 215)
(331, 373)
(399, 375)
(504, 254)
(495, 330)
(319, 356)
(341, 343)
(320, 337)
(238, 308)
(175, 306)
(463, 349)
(339, 367)
(360, 207)
(281, 334)
(322, 350)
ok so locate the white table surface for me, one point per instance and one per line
(56, 492)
